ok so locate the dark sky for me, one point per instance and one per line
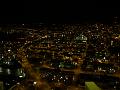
(30, 12)
(70, 11)
(71, 14)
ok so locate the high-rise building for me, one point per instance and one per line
(1, 86)
(116, 25)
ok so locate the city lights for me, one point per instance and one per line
(60, 56)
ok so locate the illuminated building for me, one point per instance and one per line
(1, 86)
(91, 86)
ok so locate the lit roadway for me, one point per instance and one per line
(31, 75)
(78, 70)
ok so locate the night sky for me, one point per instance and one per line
(70, 14)
(56, 13)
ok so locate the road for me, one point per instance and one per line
(31, 74)
(78, 70)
